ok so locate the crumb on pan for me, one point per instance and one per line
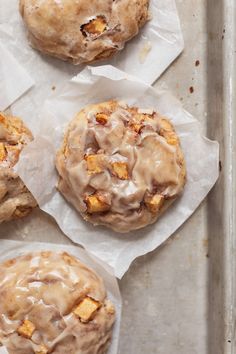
(191, 89)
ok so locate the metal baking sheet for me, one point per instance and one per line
(180, 298)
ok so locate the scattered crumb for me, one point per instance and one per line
(197, 62)
(144, 52)
(205, 242)
(220, 165)
(191, 89)
(223, 34)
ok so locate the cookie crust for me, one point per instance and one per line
(15, 199)
(52, 303)
(120, 166)
(81, 33)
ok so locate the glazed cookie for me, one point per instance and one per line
(120, 166)
(15, 199)
(52, 303)
(82, 32)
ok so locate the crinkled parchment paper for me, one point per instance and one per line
(146, 56)
(11, 249)
(14, 80)
(36, 166)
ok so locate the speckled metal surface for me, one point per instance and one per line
(179, 298)
(186, 287)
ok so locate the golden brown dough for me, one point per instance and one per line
(15, 199)
(52, 303)
(120, 166)
(82, 31)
